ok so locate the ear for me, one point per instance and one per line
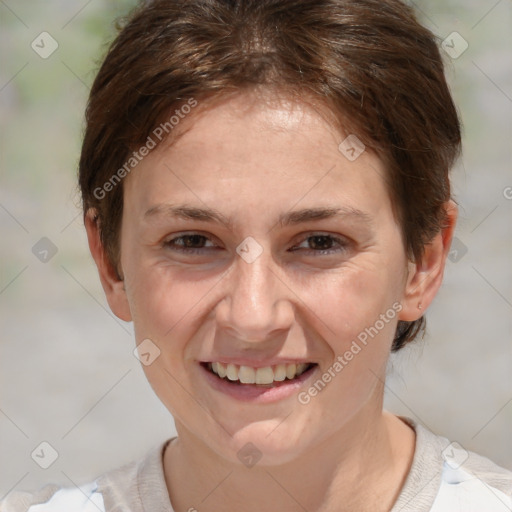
(425, 276)
(112, 286)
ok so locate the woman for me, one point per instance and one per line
(266, 196)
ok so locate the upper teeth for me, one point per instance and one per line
(265, 375)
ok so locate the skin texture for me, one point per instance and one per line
(253, 158)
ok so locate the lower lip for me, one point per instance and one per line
(255, 393)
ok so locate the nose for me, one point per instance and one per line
(257, 303)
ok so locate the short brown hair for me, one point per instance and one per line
(370, 62)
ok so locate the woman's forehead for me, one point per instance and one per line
(289, 132)
(264, 155)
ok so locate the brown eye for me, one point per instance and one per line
(189, 243)
(320, 244)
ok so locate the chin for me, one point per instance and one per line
(263, 444)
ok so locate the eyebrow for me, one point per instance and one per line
(189, 212)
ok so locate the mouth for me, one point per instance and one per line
(265, 385)
(268, 376)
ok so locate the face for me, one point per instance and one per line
(254, 241)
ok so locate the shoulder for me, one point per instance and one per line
(471, 482)
(445, 477)
(116, 488)
(53, 498)
(136, 487)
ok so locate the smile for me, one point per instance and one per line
(261, 385)
(262, 376)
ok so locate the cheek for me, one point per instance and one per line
(164, 310)
(354, 299)
(163, 301)
(356, 314)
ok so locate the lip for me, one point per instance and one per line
(256, 393)
(240, 361)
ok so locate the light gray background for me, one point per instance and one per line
(68, 375)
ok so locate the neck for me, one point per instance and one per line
(363, 467)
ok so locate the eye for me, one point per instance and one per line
(319, 244)
(192, 243)
(324, 244)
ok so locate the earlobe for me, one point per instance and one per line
(425, 276)
(112, 286)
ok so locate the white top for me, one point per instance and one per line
(443, 478)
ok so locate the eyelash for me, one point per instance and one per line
(321, 252)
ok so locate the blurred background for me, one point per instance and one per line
(68, 375)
